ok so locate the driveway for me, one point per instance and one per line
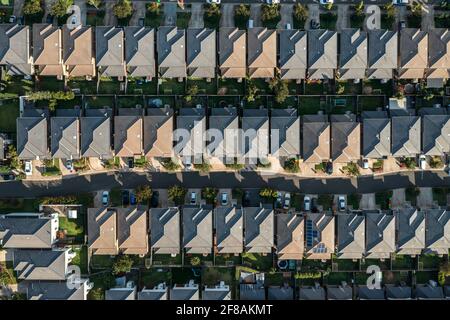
(255, 14)
(398, 198)
(313, 14)
(286, 12)
(367, 201)
(402, 13)
(82, 5)
(139, 12)
(427, 17)
(163, 198)
(110, 19)
(196, 16)
(342, 17)
(227, 17)
(425, 198)
(170, 14)
(18, 7)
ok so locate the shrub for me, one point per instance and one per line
(292, 165)
(209, 194)
(32, 7)
(122, 264)
(268, 193)
(123, 9)
(195, 261)
(59, 7)
(351, 169)
(177, 194)
(169, 164)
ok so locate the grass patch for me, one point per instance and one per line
(353, 200)
(370, 103)
(81, 259)
(152, 277)
(442, 20)
(430, 261)
(18, 205)
(183, 275)
(130, 101)
(423, 277)
(9, 111)
(102, 281)
(101, 262)
(72, 227)
(336, 278)
(309, 105)
(51, 168)
(403, 262)
(257, 261)
(328, 20)
(109, 86)
(212, 276)
(349, 104)
(230, 87)
(227, 260)
(172, 86)
(98, 102)
(325, 200)
(166, 259)
(141, 86)
(95, 18)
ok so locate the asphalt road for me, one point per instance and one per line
(284, 1)
(244, 180)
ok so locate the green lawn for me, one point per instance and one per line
(357, 21)
(315, 88)
(414, 21)
(73, 227)
(440, 195)
(370, 103)
(257, 261)
(98, 102)
(308, 265)
(9, 111)
(422, 277)
(171, 86)
(183, 275)
(116, 197)
(9, 205)
(442, 21)
(328, 20)
(95, 19)
(51, 168)
(142, 87)
(309, 105)
(152, 277)
(16, 85)
(130, 101)
(223, 101)
(430, 261)
(230, 87)
(403, 262)
(336, 278)
(101, 261)
(227, 260)
(85, 87)
(204, 87)
(166, 259)
(346, 265)
(50, 84)
(384, 265)
(349, 104)
(109, 86)
(102, 281)
(212, 276)
(383, 199)
(81, 258)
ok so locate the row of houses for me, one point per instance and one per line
(224, 135)
(256, 52)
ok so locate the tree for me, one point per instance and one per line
(340, 88)
(243, 11)
(192, 90)
(143, 193)
(291, 165)
(94, 3)
(177, 194)
(59, 7)
(268, 193)
(123, 9)
(351, 169)
(279, 87)
(32, 7)
(209, 194)
(300, 12)
(416, 8)
(12, 153)
(329, 6)
(154, 8)
(122, 264)
(212, 11)
(270, 12)
(195, 261)
(252, 90)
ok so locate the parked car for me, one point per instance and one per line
(141, 22)
(224, 199)
(28, 168)
(125, 197)
(188, 164)
(213, 1)
(69, 165)
(130, 162)
(314, 205)
(133, 200)
(422, 162)
(307, 203)
(154, 201)
(329, 167)
(12, 19)
(400, 2)
(105, 198)
(341, 203)
(272, 1)
(279, 200)
(326, 1)
(365, 163)
(193, 198)
(401, 25)
(7, 177)
(246, 199)
(287, 200)
(73, 20)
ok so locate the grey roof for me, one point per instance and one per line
(165, 230)
(376, 137)
(158, 132)
(121, 294)
(410, 231)
(30, 232)
(353, 54)
(339, 293)
(287, 142)
(261, 52)
(128, 135)
(312, 293)
(194, 121)
(110, 51)
(435, 134)
(15, 49)
(65, 137)
(316, 135)
(365, 293)
(280, 293)
(140, 51)
(290, 236)
(350, 236)
(228, 223)
(226, 121)
(216, 293)
(382, 56)
(438, 52)
(447, 292)
(157, 293)
(132, 230)
(345, 138)
(406, 136)
(429, 292)
(185, 292)
(413, 50)
(431, 111)
(54, 290)
(232, 52)
(102, 231)
(201, 53)
(197, 230)
(255, 125)
(292, 44)
(320, 235)
(437, 232)
(96, 137)
(259, 229)
(380, 235)
(171, 52)
(32, 138)
(40, 264)
(398, 293)
(252, 292)
(322, 54)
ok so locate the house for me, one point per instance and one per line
(340, 292)
(165, 230)
(140, 52)
(109, 50)
(376, 135)
(429, 291)
(171, 52)
(47, 50)
(228, 224)
(382, 54)
(251, 286)
(95, 137)
(188, 291)
(261, 52)
(201, 53)
(65, 139)
(315, 292)
(435, 134)
(285, 133)
(158, 133)
(366, 293)
(121, 294)
(353, 54)
(191, 125)
(290, 238)
(39, 265)
(128, 135)
(413, 59)
(28, 231)
(159, 292)
(224, 134)
(316, 138)
(78, 51)
(232, 53)
(394, 292)
(102, 231)
(255, 142)
(410, 231)
(259, 229)
(380, 235)
(292, 61)
(322, 54)
(319, 236)
(405, 136)
(351, 236)
(438, 55)
(197, 230)
(15, 51)
(437, 224)
(132, 230)
(57, 290)
(284, 292)
(32, 138)
(218, 292)
(345, 138)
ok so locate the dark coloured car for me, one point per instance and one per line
(133, 200)
(125, 197)
(154, 201)
(141, 22)
(246, 199)
(329, 167)
(49, 19)
(131, 163)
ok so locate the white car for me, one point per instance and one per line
(326, 1)
(28, 168)
(272, 1)
(213, 1)
(193, 198)
(365, 163)
(287, 200)
(307, 203)
(224, 199)
(422, 162)
(400, 2)
(341, 203)
(105, 198)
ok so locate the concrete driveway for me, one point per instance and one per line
(427, 17)
(398, 198)
(163, 198)
(313, 14)
(425, 198)
(227, 17)
(367, 201)
(170, 14)
(286, 12)
(255, 15)
(196, 16)
(139, 12)
(198, 193)
(18, 7)
(343, 20)
(228, 192)
(110, 19)
(82, 5)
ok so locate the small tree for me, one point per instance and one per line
(59, 7)
(340, 88)
(252, 90)
(351, 169)
(416, 8)
(291, 165)
(177, 194)
(268, 193)
(243, 11)
(300, 12)
(209, 194)
(122, 264)
(191, 91)
(154, 8)
(123, 9)
(143, 193)
(329, 6)
(12, 153)
(279, 87)
(32, 7)
(94, 3)
(270, 12)
(195, 261)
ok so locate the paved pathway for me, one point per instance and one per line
(110, 19)
(286, 12)
(343, 17)
(82, 5)
(313, 14)
(427, 17)
(18, 7)
(227, 17)
(196, 16)
(139, 12)
(170, 14)
(398, 198)
(255, 15)
(367, 201)
(425, 198)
